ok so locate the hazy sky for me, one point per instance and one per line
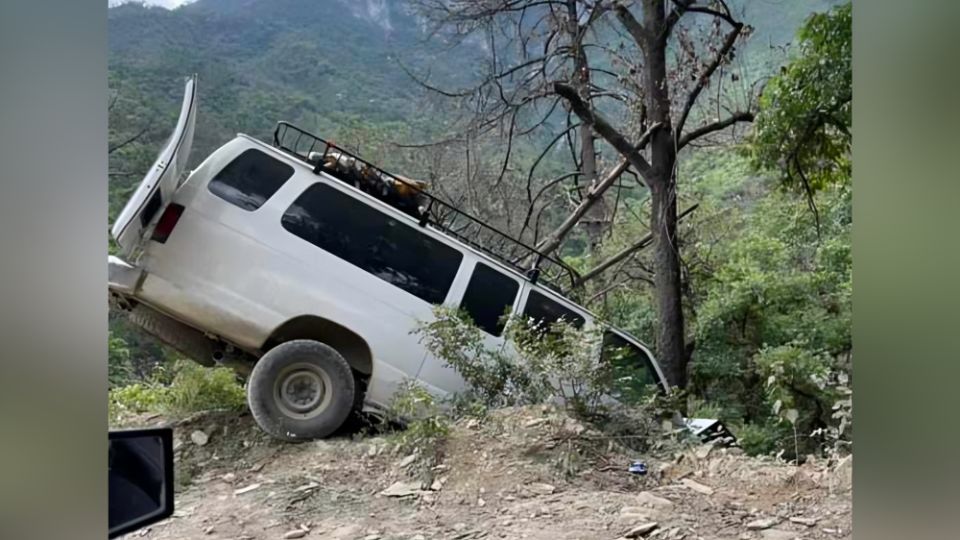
(164, 3)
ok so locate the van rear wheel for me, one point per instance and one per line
(301, 390)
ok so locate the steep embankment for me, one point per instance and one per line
(530, 473)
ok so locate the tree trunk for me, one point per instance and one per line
(671, 350)
(595, 219)
(594, 223)
(663, 223)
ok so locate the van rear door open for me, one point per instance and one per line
(141, 213)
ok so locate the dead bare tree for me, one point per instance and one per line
(635, 74)
(651, 33)
(531, 43)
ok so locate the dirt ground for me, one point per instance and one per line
(526, 473)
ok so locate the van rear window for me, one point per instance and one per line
(250, 179)
(374, 242)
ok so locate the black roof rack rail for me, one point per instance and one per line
(527, 260)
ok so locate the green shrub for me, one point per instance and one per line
(134, 399)
(699, 408)
(494, 379)
(772, 320)
(197, 388)
(119, 367)
(560, 362)
(564, 362)
(802, 389)
(757, 439)
(191, 388)
(426, 425)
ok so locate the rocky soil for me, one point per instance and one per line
(529, 473)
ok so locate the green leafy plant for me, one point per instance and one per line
(757, 439)
(495, 379)
(564, 361)
(426, 425)
(778, 303)
(547, 362)
(135, 399)
(803, 128)
(197, 388)
(185, 389)
(119, 367)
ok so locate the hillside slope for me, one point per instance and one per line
(529, 473)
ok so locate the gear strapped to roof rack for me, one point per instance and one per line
(410, 196)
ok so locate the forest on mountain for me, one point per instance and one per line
(712, 219)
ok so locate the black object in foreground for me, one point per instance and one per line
(140, 471)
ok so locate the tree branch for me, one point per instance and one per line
(705, 76)
(719, 14)
(506, 157)
(605, 130)
(532, 204)
(739, 116)
(542, 155)
(633, 26)
(118, 146)
(553, 241)
(623, 254)
(680, 7)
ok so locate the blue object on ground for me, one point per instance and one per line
(638, 467)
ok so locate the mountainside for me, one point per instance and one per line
(326, 65)
(258, 62)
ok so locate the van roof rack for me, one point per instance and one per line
(527, 260)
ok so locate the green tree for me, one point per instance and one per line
(803, 127)
(119, 368)
(773, 329)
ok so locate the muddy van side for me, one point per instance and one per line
(311, 273)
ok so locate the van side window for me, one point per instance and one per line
(628, 359)
(250, 179)
(489, 294)
(547, 312)
(374, 242)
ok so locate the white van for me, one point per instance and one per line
(271, 256)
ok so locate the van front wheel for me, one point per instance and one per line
(301, 390)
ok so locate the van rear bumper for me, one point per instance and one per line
(122, 277)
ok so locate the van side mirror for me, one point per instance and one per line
(140, 471)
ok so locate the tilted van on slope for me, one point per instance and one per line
(310, 267)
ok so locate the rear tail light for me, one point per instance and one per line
(171, 214)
